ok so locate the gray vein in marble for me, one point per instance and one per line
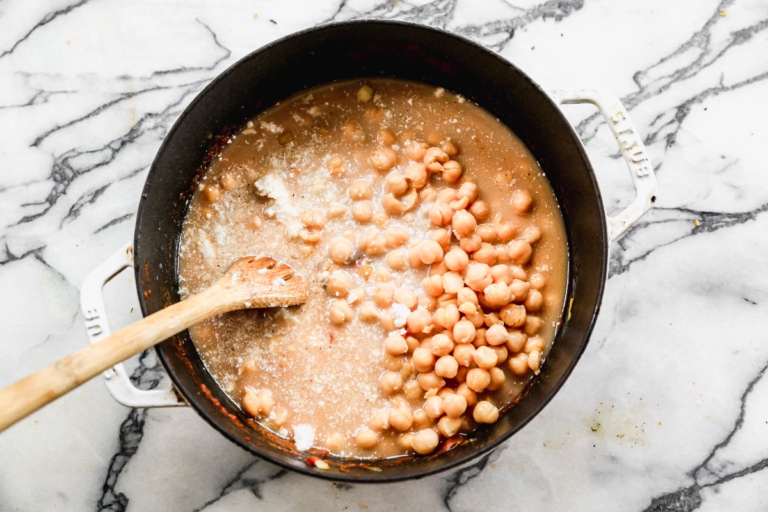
(131, 432)
(243, 481)
(687, 499)
(48, 18)
(455, 481)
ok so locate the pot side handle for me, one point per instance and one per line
(632, 149)
(97, 328)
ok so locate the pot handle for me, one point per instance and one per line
(632, 149)
(97, 328)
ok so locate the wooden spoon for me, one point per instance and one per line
(249, 283)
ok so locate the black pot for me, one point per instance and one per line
(353, 50)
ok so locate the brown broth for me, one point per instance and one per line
(320, 374)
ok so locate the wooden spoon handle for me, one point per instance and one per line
(30, 393)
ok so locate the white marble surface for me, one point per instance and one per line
(666, 411)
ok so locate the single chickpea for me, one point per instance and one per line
(446, 194)
(339, 283)
(446, 300)
(460, 203)
(336, 211)
(391, 205)
(464, 331)
(467, 295)
(384, 295)
(478, 379)
(502, 354)
(212, 194)
(520, 289)
(335, 442)
(412, 391)
(471, 244)
(449, 427)
(360, 190)
(449, 148)
(434, 158)
(395, 345)
(362, 211)
(468, 190)
(440, 345)
(395, 236)
(452, 282)
(430, 252)
(463, 223)
(538, 281)
(485, 412)
(381, 275)
(366, 439)
(416, 150)
(383, 158)
(428, 302)
(386, 137)
(229, 181)
(519, 251)
(464, 354)
(485, 254)
(469, 395)
(480, 210)
(335, 165)
(501, 253)
(454, 405)
(440, 214)
(532, 234)
(368, 312)
(522, 201)
(433, 407)
(518, 272)
(391, 382)
(377, 246)
(406, 297)
(397, 259)
(535, 301)
(430, 380)
(534, 361)
(447, 316)
(452, 171)
(478, 276)
(446, 367)
(438, 269)
(252, 404)
(516, 341)
(413, 343)
(487, 233)
(396, 184)
(401, 418)
(532, 325)
(425, 441)
(417, 174)
(340, 312)
(461, 375)
(341, 250)
(502, 274)
(497, 295)
(518, 364)
(423, 360)
(480, 337)
(419, 321)
(498, 377)
(379, 421)
(442, 236)
(387, 321)
(513, 315)
(420, 418)
(433, 285)
(392, 363)
(485, 358)
(496, 335)
(313, 219)
(380, 218)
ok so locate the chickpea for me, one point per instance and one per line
(452, 171)
(417, 174)
(428, 194)
(463, 223)
(513, 315)
(485, 412)
(449, 148)
(368, 313)
(313, 219)
(446, 367)
(397, 259)
(336, 211)
(362, 211)
(516, 341)
(391, 205)
(430, 252)
(335, 165)
(498, 378)
(420, 418)
(425, 441)
(413, 343)
(416, 150)
(478, 276)
(518, 272)
(380, 218)
(412, 390)
(440, 345)
(501, 353)
(384, 295)
(392, 363)
(496, 335)
(446, 194)
(229, 181)
(379, 421)
(454, 405)
(434, 158)
(447, 316)
(419, 321)
(377, 246)
(340, 312)
(471, 244)
(339, 283)
(341, 250)
(518, 364)
(423, 360)
(469, 395)
(485, 358)
(480, 210)
(534, 361)
(395, 236)
(383, 158)
(460, 203)
(433, 285)
(387, 321)
(497, 295)
(396, 184)
(386, 137)
(360, 190)
(519, 251)
(467, 190)
(532, 234)
(464, 331)
(538, 280)
(440, 214)
(257, 403)
(406, 297)
(433, 407)
(438, 269)
(366, 439)
(519, 289)
(445, 300)
(212, 194)
(467, 295)
(463, 354)
(395, 345)
(502, 274)
(487, 233)
(485, 254)
(522, 201)
(430, 380)
(532, 325)
(452, 282)
(535, 301)
(401, 418)
(478, 379)
(391, 382)
(449, 427)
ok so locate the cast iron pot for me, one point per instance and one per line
(381, 49)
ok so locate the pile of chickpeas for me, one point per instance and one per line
(472, 323)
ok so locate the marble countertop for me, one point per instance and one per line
(667, 409)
